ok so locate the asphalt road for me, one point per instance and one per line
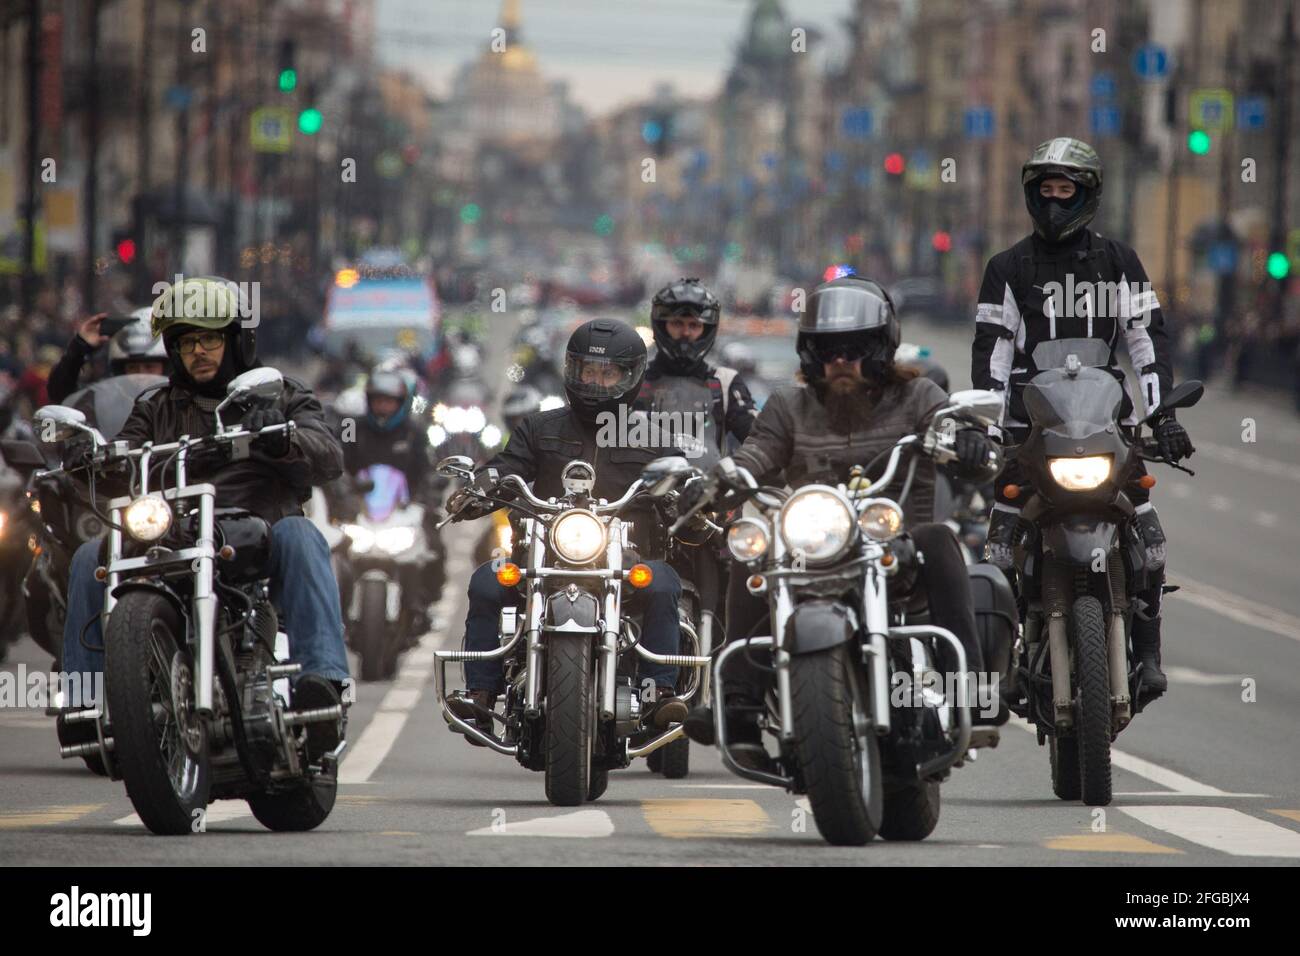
(1206, 776)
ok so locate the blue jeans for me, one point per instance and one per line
(299, 554)
(660, 631)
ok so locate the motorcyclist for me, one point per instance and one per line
(207, 350)
(853, 403)
(603, 368)
(1019, 307)
(390, 434)
(132, 350)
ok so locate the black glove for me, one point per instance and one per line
(973, 447)
(1175, 443)
(466, 505)
(276, 444)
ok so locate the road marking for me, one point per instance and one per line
(1190, 675)
(1106, 843)
(1221, 828)
(1236, 608)
(220, 812)
(1266, 518)
(583, 823)
(1219, 503)
(1180, 785)
(49, 816)
(1289, 814)
(683, 818)
(1240, 458)
(721, 786)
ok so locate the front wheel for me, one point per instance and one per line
(570, 719)
(836, 746)
(160, 744)
(295, 811)
(677, 759)
(1092, 714)
(372, 630)
(1064, 754)
(911, 811)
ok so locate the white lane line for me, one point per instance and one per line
(1190, 675)
(218, 812)
(1240, 458)
(583, 823)
(721, 786)
(1219, 503)
(1266, 519)
(1181, 786)
(1236, 608)
(1221, 828)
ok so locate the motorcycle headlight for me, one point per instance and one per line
(490, 436)
(1080, 474)
(504, 537)
(147, 518)
(395, 540)
(363, 539)
(818, 523)
(747, 539)
(881, 519)
(437, 435)
(4, 520)
(578, 536)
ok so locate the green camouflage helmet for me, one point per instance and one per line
(204, 302)
(1072, 159)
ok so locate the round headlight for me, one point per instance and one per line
(147, 518)
(881, 519)
(578, 536)
(363, 539)
(818, 523)
(747, 539)
(395, 540)
(1080, 474)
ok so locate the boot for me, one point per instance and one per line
(999, 546)
(309, 693)
(1146, 645)
(667, 709)
(698, 725)
(465, 706)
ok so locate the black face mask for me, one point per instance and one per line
(1052, 213)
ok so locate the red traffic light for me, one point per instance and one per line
(894, 164)
(942, 241)
(126, 250)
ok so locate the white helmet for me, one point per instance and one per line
(135, 343)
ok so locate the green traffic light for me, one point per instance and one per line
(1279, 266)
(309, 121)
(288, 80)
(470, 213)
(1198, 141)
(604, 225)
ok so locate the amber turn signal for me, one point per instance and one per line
(1147, 481)
(508, 575)
(640, 576)
(1011, 491)
(101, 573)
(887, 560)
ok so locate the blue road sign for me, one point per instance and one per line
(1151, 61)
(857, 122)
(1222, 257)
(1106, 121)
(978, 122)
(1102, 86)
(1252, 112)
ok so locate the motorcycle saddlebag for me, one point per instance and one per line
(996, 618)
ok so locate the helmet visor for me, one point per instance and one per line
(845, 309)
(850, 346)
(597, 379)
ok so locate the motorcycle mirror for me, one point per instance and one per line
(60, 421)
(662, 474)
(1183, 396)
(19, 453)
(981, 404)
(256, 383)
(456, 466)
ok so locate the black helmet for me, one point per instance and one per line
(522, 401)
(1072, 159)
(690, 297)
(851, 316)
(135, 343)
(604, 363)
(389, 384)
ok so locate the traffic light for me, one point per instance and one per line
(657, 132)
(125, 248)
(309, 121)
(894, 164)
(1198, 142)
(942, 241)
(288, 73)
(1279, 266)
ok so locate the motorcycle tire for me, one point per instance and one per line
(654, 762)
(911, 812)
(1064, 755)
(295, 811)
(598, 785)
(677, 759)
(167, 774)
(570, 719)
(840, 768)
(372, 631)
(1092, 713)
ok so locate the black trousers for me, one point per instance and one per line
(941, 575)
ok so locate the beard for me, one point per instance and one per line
(848, 399)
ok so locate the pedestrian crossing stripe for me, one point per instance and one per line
(1106, 843)
(45, 817)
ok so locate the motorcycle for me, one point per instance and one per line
(195, 705)
(15, 555)
(387, 557)
(571, 707)
(1080, 560)
(836, 568)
